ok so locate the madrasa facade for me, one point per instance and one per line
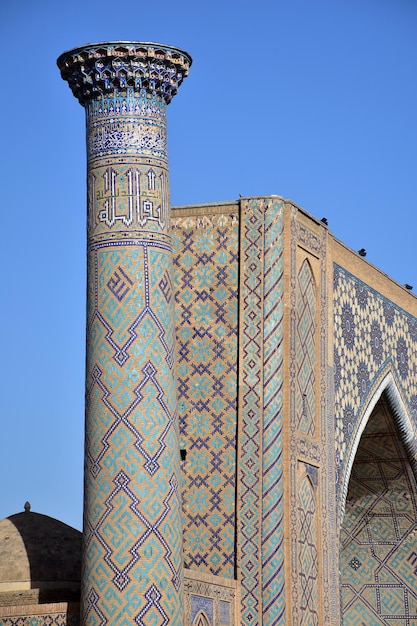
(251, 401)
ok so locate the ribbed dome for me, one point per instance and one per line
(39, 552)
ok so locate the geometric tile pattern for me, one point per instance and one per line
(273, 587)
(372, 336)
(250, 401)
(132, 515)
(310, 448)
(378, 557)
(206, 283)
(306, 329)
(49, 619)
(260, 530)
(133, 563)
(307, 554)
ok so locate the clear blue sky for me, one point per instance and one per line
(314, 100)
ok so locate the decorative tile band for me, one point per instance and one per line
(53, 614)
(261, 552)
(250, 407)
(58, 619)
(127, 125)
(273, 582)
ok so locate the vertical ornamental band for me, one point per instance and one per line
(132, 571)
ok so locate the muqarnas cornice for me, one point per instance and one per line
(106, 69)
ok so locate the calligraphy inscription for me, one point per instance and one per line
(126, 196)
(121, 137)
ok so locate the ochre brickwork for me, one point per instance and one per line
(40, 560)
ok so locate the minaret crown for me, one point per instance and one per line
(102, 69)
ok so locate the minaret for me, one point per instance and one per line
(132, 571)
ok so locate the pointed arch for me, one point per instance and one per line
(406, 429)
(307, 264)
(377, 537)
(201, 619)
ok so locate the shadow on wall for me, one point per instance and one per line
(41, 560)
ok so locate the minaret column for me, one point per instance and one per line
(132, 560)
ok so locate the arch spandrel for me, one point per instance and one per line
(372, 336)
(407, 429)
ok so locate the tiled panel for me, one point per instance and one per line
(206, 283)
(372, 336)
(307, 555)
(306, 348)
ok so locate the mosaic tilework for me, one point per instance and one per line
(206, 282)
(307, 554)
(250, 405)
(372, 336)
(60, 619)
(311, 447)
(148, 69)
(273, 588)
(378, 555)
(305, 414)
(132, 496)
(260, 454)
(306, 347)
(133, 559)
(46, 615)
